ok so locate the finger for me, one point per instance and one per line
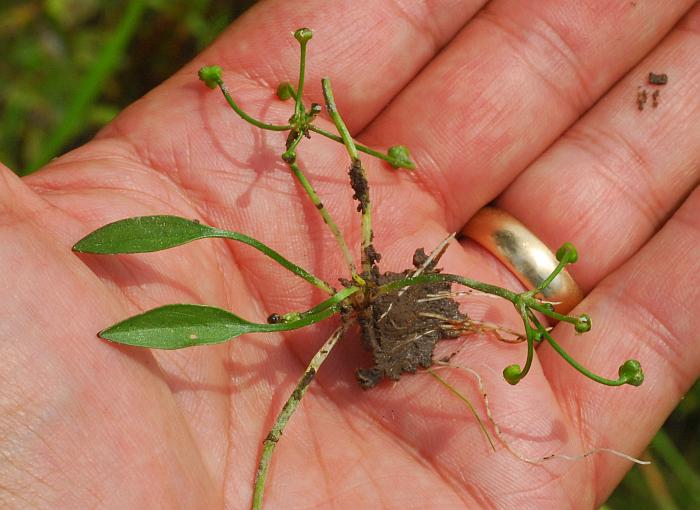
(619, 172)
(355, 45)
(508, 85)
(646, 310)
(65, 392)
(189, 135)
(355, 49)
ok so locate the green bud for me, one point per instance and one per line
(211, 76)
(303, 35)
(583, 324)
(512, 374)
(400, 157)
(631, 372)
(567, 250)
(285, 90)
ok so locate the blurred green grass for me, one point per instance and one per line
(69, 66)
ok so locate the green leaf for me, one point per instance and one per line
(177, 326)
(144, 234)
(183, 325)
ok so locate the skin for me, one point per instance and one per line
(531, 104)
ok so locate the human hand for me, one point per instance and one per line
(495, 114)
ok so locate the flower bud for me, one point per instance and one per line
(284, 90)
(512, 374)
(400, 157)
(303, 35)
(211, 76)
(631, 372)
(567, 250)
(583, 323)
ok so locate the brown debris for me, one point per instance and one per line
(372, 254)
(402, 328)
(293, 133)
(655, 98)
(658, 79)
(641, 98)
(359, 185)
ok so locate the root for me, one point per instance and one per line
(500, 435)
(471, 326)
(430, 261)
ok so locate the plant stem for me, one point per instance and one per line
(358, 177)
(576, 364)
(359, 146)
(522, 303)
(291, 153)
(433, 278)
(311, 192)
(334, 300)
(529, 333)
(552, 276)
(536, 305)
(245, 116)
(299, 271)
(298, 104)
(321, 311)
(287, 410)
(338, 120)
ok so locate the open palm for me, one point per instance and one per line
(494, 105)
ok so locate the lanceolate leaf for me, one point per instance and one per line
(144, 234)
(177, 326)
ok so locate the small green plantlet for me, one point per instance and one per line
(401, 315)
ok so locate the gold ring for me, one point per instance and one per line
(528, 258)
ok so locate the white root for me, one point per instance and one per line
(518, 455)
(435, 254)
